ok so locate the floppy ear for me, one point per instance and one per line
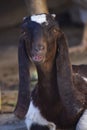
(72, 100)
(24, 79)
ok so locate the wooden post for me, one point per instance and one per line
(84, 40)
(0, 100)
(36, 6)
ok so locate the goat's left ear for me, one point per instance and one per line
(63, 64)
(68, 94)
(62, 49)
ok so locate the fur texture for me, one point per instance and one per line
(60, 94)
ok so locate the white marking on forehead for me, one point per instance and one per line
(39, 18)
(34, 116)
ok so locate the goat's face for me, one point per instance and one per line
(41, 44)
(38, 44)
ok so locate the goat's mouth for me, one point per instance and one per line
(38, 58)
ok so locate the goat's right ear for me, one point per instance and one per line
(24, 79)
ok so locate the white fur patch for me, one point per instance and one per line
(34, 116)
(41, 18)
(82, 123)
(85, 78)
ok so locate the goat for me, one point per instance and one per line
(59, 99)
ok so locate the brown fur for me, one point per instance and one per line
(60, 94)
(80, 69)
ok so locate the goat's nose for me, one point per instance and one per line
(39, 48)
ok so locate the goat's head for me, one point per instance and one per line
(39, 42)
(41, 39)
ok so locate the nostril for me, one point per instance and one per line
(39, 48)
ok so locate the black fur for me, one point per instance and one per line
(38, 127)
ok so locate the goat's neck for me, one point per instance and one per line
(47, 82)
(46, 73)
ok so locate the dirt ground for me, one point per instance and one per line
(9, 65)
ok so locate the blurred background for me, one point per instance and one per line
(72, 18)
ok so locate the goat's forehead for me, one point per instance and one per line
(38, 30)
(39, 38)
(38, 33)
(41, 18)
